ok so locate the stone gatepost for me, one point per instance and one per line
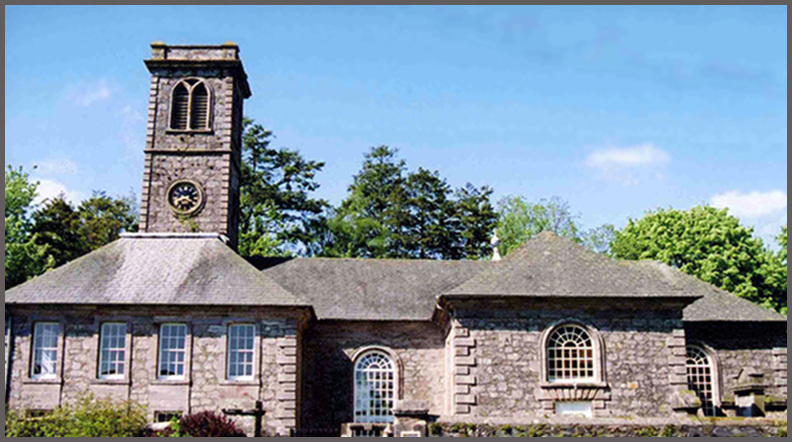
(749, 394)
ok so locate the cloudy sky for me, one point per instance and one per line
(616, 110)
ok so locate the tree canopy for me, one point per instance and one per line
(278, 212)
(391, 212)
(23, 257)
(710, 244)
(520, 220)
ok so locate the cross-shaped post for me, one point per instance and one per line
(258, 413)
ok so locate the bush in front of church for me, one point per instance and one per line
(87, 418)
(209, 424)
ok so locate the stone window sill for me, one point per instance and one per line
(188, 131)
(580, 386)
(174, 383)
(110, 382)
(253, 383)
(31, 381)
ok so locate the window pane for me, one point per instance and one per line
(45, 350)
(113, 350)
(172, 349)
(241, 342)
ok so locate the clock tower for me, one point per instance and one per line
(194, 140)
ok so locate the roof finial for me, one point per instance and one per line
(495, 241)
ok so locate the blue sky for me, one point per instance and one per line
(617, 110)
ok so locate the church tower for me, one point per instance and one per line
(194, 140)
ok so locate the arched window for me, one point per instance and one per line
(190, 104)
(701, 378)
(375, 387)
(571, 355)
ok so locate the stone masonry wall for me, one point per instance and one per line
(210, 158)
(206, 388)
(738, 346)
(499, 361)
(329, 347)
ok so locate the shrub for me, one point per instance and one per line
(209, 424)
(87, 418)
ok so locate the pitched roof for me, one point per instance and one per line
(370, 289)
(549, 265)
(156, 269)
(716, 304)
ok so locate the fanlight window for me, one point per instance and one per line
(375, 388)
(190, 106)
(700, 378)
(570, 355)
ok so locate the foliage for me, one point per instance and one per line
(521, 220)
(69, 233)
(599, 239)
(393, 213)
(209, 424)
(24, 258)
(782, 241)
(275, 187)
(87, 418)
(711, 245)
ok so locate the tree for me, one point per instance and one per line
(600, 238)
(57, 226)
(24, 258)
(370, 221)
(478, 220)
(393, 213)
(782, 241)
(710, 244)
(103, 219)
(277, 210)
(519, 221)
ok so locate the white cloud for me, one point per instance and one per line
(50, 189)
(85, 94)
(56, 167)
(751, 205)
(643, 155)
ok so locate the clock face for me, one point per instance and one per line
(185, 197)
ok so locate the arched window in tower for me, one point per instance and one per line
(375, 387)
(190, 105)
(180, 107)
(571, 355)
(199, 107)
(701, 378)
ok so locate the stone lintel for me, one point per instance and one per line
(465, 380)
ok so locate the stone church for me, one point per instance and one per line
(174, 319)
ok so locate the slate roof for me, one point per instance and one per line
(151, 269)
(370, 289)
(716, 304)
(549, 265)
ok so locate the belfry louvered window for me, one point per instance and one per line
(570, 355)
(190, 105)
(700, 377)
(375, 388)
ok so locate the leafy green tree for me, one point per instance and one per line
(521, 220)
(599, 239)
(782, 241)
(277, 210)
(393, 213)
(57, 226)
(478, 220)
(24, 258)
(710, 244)
(370, 223)
(103, 219)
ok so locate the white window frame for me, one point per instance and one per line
(712, 365)
(40, 328)
(578, 360)
(230, 350)
(122, 350)
(380, 376)
(166, 350)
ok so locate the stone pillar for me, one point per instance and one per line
(410, 419)
(286, 409)
(780, 369)
(683, 401)
(464, 378)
